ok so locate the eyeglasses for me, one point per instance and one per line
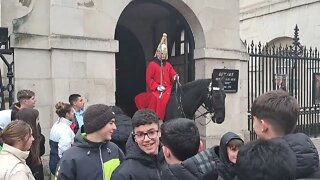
(140, 136)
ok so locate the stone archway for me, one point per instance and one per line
(145, 21)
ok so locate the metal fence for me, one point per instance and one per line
(8, 87)
(293, 68)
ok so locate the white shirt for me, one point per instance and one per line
(63, 134)
(5, 118)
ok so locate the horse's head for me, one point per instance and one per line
(215, 101)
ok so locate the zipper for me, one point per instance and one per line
(101, 160)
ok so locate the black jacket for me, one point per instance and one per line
(15, 108)
(139, 165)
(226, 169)
(124, 129)
(306, 154)
(202, 166)
(88, 160)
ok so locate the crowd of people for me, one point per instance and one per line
(111, 145)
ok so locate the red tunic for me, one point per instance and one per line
(151, 99)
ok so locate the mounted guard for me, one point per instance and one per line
(160, 76)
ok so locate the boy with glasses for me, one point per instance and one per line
(143, 159)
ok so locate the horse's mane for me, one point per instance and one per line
(204, 82)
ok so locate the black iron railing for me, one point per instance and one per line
(293, 68)
(6, 50)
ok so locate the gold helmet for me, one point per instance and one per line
(162, 47)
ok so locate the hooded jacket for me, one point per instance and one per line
(89, 160)
(202, 166)
(139, 165)
(226, 168)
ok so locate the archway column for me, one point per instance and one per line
(236, 103)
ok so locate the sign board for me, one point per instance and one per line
(231, 81)
(316, 88)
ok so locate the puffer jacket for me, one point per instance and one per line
(139, 165)
(306, 154)
(89, 160)
(13, 164)
(202, 166)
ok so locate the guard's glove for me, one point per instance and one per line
(161, 88)
(176, 77)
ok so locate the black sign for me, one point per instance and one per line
(231, 79)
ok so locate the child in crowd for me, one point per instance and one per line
(275, 116)
(230, 144)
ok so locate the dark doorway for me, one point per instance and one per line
(130, 70)
(139, 29)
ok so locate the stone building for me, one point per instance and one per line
(274, 20)
(100, 49)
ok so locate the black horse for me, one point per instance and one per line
(186, 99)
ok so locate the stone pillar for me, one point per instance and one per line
(222, 48)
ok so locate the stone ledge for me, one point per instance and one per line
(33, 41)
(83, 43)
(260, 9)
(220, 54)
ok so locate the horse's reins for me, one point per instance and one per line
(178, 93)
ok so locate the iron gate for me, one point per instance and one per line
(293, 68)
(6, 50)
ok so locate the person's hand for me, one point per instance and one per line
(161, 88)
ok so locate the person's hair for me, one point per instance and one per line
(265, 160)
(73, 98)
(24, 94)
(182, 137)
(143, 117)
(30, 116)
(117, 110)
(62, 109)
(279, 108)
(235, 143)
(15, 131)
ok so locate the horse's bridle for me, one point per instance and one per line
(209, 108)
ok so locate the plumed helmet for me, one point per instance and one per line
(163, 46)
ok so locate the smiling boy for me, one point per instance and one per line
(143, 159)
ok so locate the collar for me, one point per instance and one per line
(80, 112)
(158, 61)
(21, 155)
(65, 121)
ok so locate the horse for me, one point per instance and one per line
(186, 99)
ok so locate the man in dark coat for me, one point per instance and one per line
(124, 128)
(144, 158)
